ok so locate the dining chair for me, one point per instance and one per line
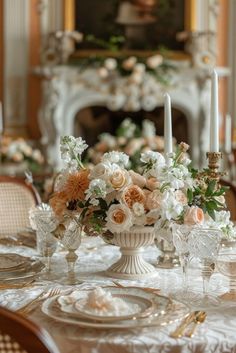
(20, 335)
(230, 197)
(16, 198)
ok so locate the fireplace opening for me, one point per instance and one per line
(91, 122)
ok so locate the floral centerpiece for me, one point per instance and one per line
(18, 151)
(132, 206)
(130, 139)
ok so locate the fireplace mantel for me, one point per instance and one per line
(67, 90)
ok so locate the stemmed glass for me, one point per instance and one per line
(45, 223)
(226, 265)
(180, 240)
(70, 238)
(204, 245)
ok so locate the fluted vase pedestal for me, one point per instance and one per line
(131, 264)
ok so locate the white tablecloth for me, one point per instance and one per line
(217, 334)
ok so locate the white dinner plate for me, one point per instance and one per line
(170, 312)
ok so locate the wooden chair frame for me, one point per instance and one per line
(19, 181)
(27, 334)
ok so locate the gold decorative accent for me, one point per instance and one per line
(69, 15)
(214, 164)
(190, 15)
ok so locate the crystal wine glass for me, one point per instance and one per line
(204, 245)
(180, 241)
(46, 243)
(70, 238)
(226, 265)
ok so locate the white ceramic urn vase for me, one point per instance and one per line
(131, 264)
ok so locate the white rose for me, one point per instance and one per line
(154, 61)
(110, 64)
(119, 218)
(100, 171)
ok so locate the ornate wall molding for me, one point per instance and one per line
(16, 49)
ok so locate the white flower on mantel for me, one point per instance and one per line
(132, 105)
(102, 72)
(140, 67)
(154, 61)
(136, 77)
(148, 129)
(115, 102)
(149, 102)
(110, 64)
(128, 64)
(119, 218)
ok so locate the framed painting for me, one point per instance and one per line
(144, 25)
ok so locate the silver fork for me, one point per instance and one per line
(26, 309)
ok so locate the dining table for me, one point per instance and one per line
(216, 334)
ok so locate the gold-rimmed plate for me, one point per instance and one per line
(174, 311)
(11, 262)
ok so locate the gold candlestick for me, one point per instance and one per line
(214, 164)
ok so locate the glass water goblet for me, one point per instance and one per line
(46, 242)
(226, 265)
(204, 245)
(71, 239)
(180, 240)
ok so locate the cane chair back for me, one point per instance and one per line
(230, 198)
(16, 198)
(20, 335)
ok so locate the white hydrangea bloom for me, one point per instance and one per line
(222, 221)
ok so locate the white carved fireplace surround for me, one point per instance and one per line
(66, 91)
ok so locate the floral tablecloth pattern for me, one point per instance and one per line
(216, 335)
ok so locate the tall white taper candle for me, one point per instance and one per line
(214, 126)
(228, 134)
(167, 125)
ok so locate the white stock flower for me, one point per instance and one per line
(71, 149)
(153, 157)
(222, 222)
(97, 189)
(119, 218)
(171, 208)
(119, 158)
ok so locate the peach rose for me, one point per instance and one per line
(119, 179)
(181, 197)
(194, 215)
(154, 200)
(133, 194)
(152, 184)
(137, 179)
